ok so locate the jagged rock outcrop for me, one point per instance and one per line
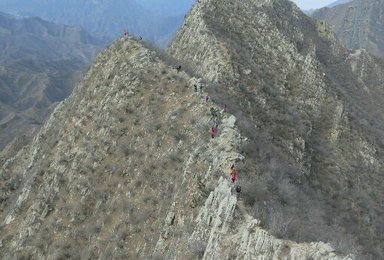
(358, 24)
(239, 236)
(310, 109)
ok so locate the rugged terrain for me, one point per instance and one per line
(312, 111)
(125, 167)
(358, 24)
(40, 64)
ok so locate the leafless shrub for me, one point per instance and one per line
(256, 190)
(279, 224)
(65, 250)
(197, 247)
(175, 157)
(14, 183)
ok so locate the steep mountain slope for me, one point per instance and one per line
(125, 168)
(40, 63)
(358, 24)
(312, 111)
(155, 21)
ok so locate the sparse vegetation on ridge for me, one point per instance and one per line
(125, 167)
(309, 110)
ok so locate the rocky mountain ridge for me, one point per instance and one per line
(126, 168)
(108, 182)
(310, 110)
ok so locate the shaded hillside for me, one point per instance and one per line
(358, 24)
(40, 63)
(125, 169)
(155, 21)
(312, 111)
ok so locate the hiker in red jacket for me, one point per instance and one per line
(213, 132)
(233, 173)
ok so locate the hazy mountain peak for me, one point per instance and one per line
(40, 63)
(155, 21)
(339, 2)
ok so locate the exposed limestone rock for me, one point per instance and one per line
(222, 229)
(241, 237)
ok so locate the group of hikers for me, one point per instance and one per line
(126, 34)
(215, 119)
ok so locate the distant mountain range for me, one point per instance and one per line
(154, 20)
(358, 24)
(339, 2)
(39, 64)
(40, 61)
(32, 38)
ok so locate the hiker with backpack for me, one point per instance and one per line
(213, 112)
